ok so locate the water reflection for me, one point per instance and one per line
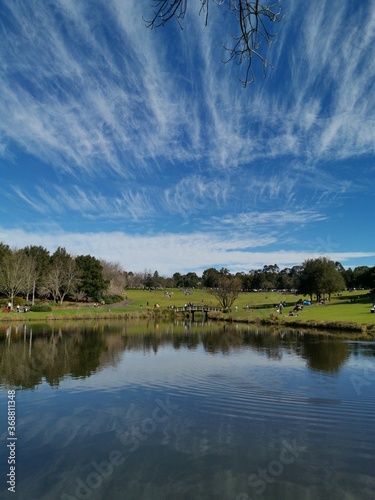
(30, 354)
(323, 357)
(188, 411)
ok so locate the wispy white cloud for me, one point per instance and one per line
(272, 219)
(130, 204)
(88, 106)
(180, 253)
(195, 193)
(35, 204)
(81, 102)
(331, 74)
(143, 125)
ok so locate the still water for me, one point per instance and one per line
(186, 411)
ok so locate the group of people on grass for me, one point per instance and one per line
(8, 308)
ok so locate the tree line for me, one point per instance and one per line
(317, 276)
(33, 272)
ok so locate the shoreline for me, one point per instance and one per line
(271, 321)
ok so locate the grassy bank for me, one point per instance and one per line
(349, 312)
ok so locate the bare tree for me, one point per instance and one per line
(114, 273)
(61, 279)
(227, 290)
(135, 280)
(255, 21)
(14, 277)
(31, 275)
(78, 296)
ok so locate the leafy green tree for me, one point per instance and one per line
(177, 280)
(4, 251)
(320, 276)
(284, 280)
(191, 280)
(295, 274)
(256, 279)
(348, 277)
(363, 277)
(270, 274)
(61, 256)
(210, 278)
(333, 281)
(92, 282)
(148, 280)
(246, 281)
(272, 269)
(156, 279)
(371, 278)
(224, 272)
(41, 257)
(339, 267)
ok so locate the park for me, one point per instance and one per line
(347, 311)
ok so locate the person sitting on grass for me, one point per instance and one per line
(291, 313)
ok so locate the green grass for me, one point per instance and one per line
(200, 297)
(340, 310)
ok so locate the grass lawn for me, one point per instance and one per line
(340, 309)
(178, 298)
(261, 305)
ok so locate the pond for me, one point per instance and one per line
(147, 411)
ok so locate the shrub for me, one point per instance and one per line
(41, 308)
(18, 301)
(112, 299)
(169, 313)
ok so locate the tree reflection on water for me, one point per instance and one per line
(30, 353)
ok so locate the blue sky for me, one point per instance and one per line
(141, 147)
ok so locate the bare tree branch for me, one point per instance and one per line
(254, 20)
